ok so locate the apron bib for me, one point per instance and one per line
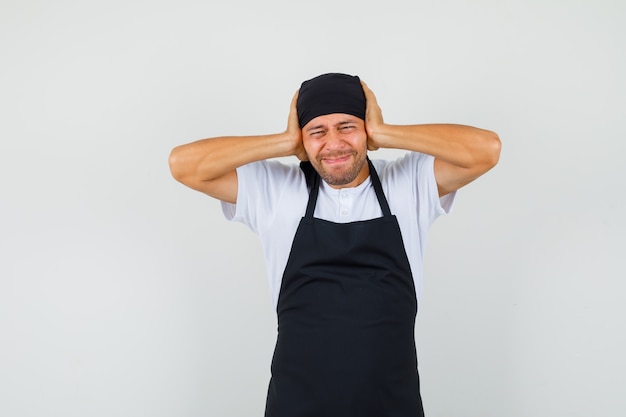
(346, 320)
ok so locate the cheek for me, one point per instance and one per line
(310, 146)
(358, 140)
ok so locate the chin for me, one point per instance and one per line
(341, 177)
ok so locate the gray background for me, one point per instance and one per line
(122, 293)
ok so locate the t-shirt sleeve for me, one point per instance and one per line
(428, 183)
(260, 187)
(417, 171)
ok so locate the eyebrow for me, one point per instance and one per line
(308, 129)
(343, 122)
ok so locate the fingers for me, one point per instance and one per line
(370, 100)
(294, 100)
(293, 111)
(369, 94)
(373, 117)
(372, 111)
(294, 131)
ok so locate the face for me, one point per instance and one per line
(336, 145)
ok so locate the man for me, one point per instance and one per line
(343, 238)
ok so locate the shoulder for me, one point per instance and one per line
(269, 180)
(409, 166)
(266, 188)
(268, 173)
(412, 175)
(271, 168)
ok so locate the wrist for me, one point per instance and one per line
(379, 135)
(291, 143)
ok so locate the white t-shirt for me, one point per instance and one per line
(272, 198)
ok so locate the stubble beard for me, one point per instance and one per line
(345, 176)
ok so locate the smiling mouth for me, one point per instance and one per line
(336, 159)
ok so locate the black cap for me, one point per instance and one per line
(330, 93)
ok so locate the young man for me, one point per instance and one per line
(343, 239)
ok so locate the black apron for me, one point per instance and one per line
(346, 320)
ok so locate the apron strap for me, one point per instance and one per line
(313, 181)
(378, 188)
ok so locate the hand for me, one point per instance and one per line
(373, 118)
(294, 132)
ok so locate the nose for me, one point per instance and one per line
(333, 140)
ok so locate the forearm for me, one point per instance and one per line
(462, 146)
(208, 159)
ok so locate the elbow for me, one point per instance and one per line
(176, 165)
(493, 145)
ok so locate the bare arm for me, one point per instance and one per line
(209, 165)
(462, 153)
